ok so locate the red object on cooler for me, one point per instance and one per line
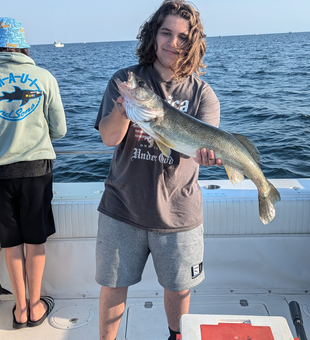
(235, 331)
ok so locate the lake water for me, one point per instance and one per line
(262, 82)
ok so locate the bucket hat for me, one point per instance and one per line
(12, 34)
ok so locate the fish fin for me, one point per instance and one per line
(24, 101)
(163, 145)
(163, 148)
(17, 89)
(234, 175)
(267, 211)
(162, 140)
(248, 144)
(6, 96)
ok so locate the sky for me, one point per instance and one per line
(75, 21)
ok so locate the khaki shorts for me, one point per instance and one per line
(122, 251)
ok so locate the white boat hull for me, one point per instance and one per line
(58, 44)
(266, 265)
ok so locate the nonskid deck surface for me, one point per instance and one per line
(78, 319)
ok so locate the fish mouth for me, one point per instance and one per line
(125, 87)
(131, 82)
(129, 89)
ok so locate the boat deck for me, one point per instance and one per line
(74, 319)
(251, 269)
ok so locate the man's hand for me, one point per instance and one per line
(119, 107)
(207, 158)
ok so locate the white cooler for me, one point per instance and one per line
(234, 327)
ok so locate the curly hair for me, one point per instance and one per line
(193, 49)
(19, 50)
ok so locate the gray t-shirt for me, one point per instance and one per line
(144, 188)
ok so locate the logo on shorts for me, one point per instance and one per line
(196, 270)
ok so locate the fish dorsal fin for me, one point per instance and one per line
(234, 175)
(248, 144)
(141, 114)
(163, 145)
(17, 89)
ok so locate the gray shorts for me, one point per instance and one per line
(122, 251)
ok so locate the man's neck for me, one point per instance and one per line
(165, 73)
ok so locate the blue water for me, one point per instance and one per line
(262, 82)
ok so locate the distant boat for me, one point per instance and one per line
(58, 44)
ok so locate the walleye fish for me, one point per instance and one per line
(173, 129)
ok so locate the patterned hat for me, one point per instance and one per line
(12, 34)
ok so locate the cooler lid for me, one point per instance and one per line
(233, 331)
(234, 327)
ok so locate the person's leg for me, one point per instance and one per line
(35, 261)
(13, 243)
(111, 309)
(178, 261)
(121, 254)
(37, 224)
(15, 262)
(176, 304)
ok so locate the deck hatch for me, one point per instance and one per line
(71, 317)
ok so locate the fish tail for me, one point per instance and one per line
(267, 211)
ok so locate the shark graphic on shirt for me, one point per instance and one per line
(18, 94)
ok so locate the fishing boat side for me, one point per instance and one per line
(251, 268)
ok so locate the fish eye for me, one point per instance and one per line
(141, 83)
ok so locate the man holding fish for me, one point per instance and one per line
(152, 201)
